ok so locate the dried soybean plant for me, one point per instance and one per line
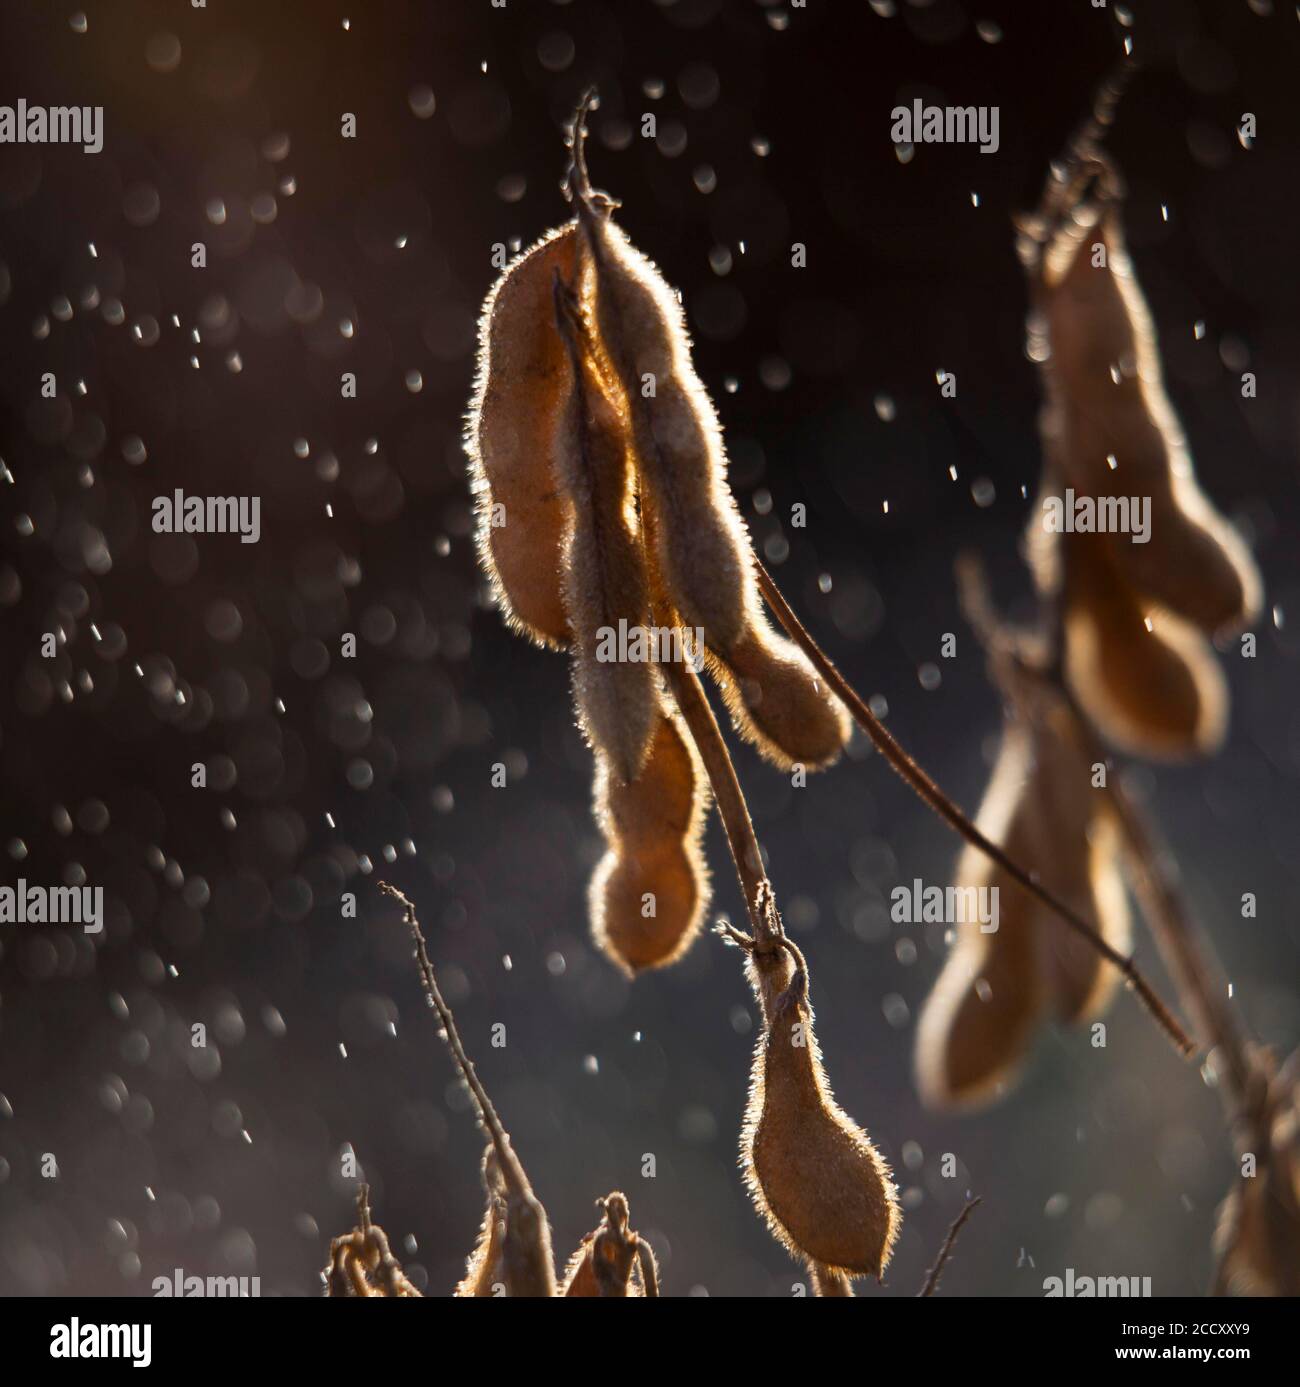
(361, 1263)
(606, 527)
(592, 441)
(612, 1260)
(512, 1256)
(935, 1274)
(604, 517)
(1122, 657)
(651, 542)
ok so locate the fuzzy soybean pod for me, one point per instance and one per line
(978, 1024)
(612, 1261)
(604, 586)
(1076, 853)
(484, 1275)
(1081, 984)
(521, 396)
(526, 1255)
(776, 699)
(702, 550)
(1148, 680)
(1109, 422)
(650, 890)
(823, 1188)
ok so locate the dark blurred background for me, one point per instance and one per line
(223, 126)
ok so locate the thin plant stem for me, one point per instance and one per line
(951, 813)
(828, 1282)
(728, 797)
(510, 1164)
(945, 1252)
(1196, 972)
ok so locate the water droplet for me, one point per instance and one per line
(422, 101)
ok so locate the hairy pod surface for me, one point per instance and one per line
(828, 1283)
(650, 890)
(611, 1258)
(1110, 426)
(777, 701)
(528, 1264)
(484, 1270)
(1149, 680)
(521, 394)
(703, 550)
(604, 587)
(702, 553)
(814, 1175)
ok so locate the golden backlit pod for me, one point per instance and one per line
(1108, 423)
(702, 548)
(777, 701)
(521, 394)
(1076, 852)
(613, 1260)
(483, 1270)
(1149, 680)
(527, 1261)
(649, 892)
(814, 1175)
(604, 585)
(702, 551)
(978, 1022)
(1081, 982)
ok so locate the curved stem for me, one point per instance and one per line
(729, 798)
(1196, 975)
(945, 1252)
(511, 1167)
